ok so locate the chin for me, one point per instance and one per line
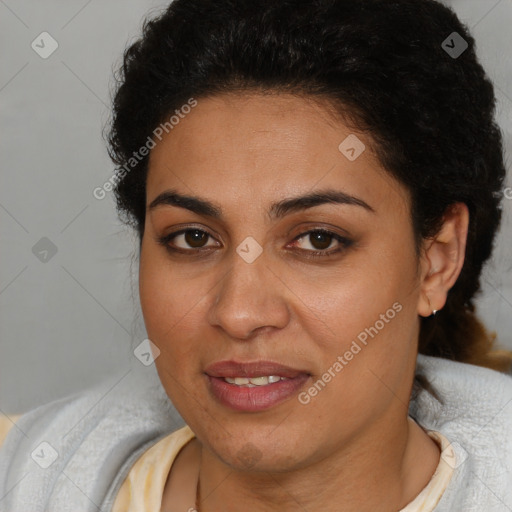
(260, 453)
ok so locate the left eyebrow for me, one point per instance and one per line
(277, 210)
(294, 204)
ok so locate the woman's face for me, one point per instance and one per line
(265, 283)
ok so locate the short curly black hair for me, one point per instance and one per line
(430, 112)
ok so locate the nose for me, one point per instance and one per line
(250, 299)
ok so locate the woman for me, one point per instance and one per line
(316, 186)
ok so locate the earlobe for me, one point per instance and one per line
(442, 260)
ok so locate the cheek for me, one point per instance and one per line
(352, 303)
(364, 325)
(365, 362)
(167, 294)
(160, 308)
(168, 309)
(174, 306)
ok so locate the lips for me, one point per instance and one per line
(240, 396)
(256, 369)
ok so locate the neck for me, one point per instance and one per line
(376, 472)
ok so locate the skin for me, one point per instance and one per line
(352, 447)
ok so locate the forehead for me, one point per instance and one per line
(257, 146)
(255, 124)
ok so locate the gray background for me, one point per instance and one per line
(73, 320)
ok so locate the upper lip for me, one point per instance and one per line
(251, 369)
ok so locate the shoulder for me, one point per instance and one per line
(474, 412)
(144, 485)
(66, 454)
(467, 391)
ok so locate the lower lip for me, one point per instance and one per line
(258, 398)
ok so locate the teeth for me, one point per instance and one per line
(254, 381)
(259, 381)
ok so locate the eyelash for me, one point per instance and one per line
(344, 242)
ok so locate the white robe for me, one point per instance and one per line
(94, 438)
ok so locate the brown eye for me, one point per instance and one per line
(195, 237)
(320, 240)
(185, 240)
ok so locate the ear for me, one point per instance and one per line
(442, 259)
